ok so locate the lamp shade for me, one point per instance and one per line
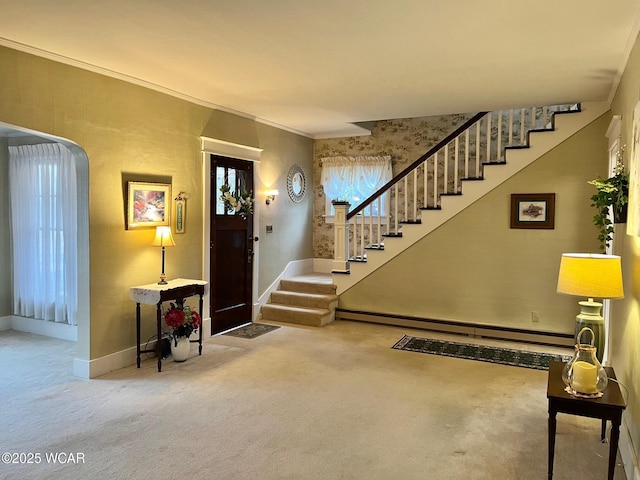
(590, 275)
(163, 237)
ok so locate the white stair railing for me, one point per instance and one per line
(439, 172)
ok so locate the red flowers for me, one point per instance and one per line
(182, 320)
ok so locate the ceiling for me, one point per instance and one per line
(318, 67)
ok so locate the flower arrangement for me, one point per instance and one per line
(612, 192)
(182, 320)
(239, 203)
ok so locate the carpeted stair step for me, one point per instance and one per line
(314, 317)
(308, 287)
(299, 299)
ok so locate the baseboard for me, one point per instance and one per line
(62, 331)
(627, 453)
(461, 328)
(123, 358)
(5, 323)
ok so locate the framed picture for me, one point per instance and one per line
(148, 204)
(533, 210)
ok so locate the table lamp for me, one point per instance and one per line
(591, 275)
(163, 239)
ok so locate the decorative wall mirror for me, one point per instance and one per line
(296, 183)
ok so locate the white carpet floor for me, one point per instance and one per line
(296, 403)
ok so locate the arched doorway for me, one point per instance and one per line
(12, 135)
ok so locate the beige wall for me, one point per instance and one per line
(131, 132)
(625, 322)
(476, 269)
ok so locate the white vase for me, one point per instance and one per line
(180, 352)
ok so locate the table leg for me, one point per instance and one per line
(138, 334)
(603, 431)
(613, 448)
(200, 338)
(552, 441)
(159, 335)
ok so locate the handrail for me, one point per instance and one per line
(436, 148)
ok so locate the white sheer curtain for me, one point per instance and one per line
(42, 186)
(355, 178)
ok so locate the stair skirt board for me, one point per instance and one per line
(461, 328)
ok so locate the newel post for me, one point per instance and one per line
(340, 238)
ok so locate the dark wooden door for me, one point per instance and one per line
(231, 247)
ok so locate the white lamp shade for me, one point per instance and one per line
(163, 237)
(590, 275)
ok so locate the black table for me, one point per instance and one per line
(155, 294)
(608, 407)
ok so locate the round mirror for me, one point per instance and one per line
(296, 183)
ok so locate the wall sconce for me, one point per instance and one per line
(271, 196)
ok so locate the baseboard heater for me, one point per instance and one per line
(461, 328)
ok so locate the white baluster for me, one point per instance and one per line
(362, 230)
(466, 153)
(415, 194)
(478, 142)
(445, 188)
(499, 141)
(489, 137)
(545, 117)
(435, 180)
(379, 200)
(395, 216)
(424, 196)
(456, 151)
(522, 119)
(406, 198)
(511, 127)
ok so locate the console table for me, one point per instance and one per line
(608, 407)
(155, 294)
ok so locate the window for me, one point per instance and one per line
(355, 179)
(44, 225)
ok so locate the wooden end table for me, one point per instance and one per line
(608, 407)
(155, 294)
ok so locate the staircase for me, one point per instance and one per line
(457, 172)
(460, 170)
(305, 300)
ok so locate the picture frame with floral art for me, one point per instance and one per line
(148, 205)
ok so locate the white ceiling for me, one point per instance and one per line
(317, 66)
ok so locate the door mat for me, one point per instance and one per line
(252, 330)
(483, 353)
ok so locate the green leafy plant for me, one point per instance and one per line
(240, 203)
(612, 193)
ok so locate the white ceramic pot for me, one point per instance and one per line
(180, 352)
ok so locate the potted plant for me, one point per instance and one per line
(611, 192)
(183, 321)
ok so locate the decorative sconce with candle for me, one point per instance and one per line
(163, 239)
(271, 196)
(591, 275)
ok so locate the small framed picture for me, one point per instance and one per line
(148, 205)
(533, 210)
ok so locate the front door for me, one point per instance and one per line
(231, 246)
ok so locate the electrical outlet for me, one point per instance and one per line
(535, 317)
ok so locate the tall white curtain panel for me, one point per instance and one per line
(44, 225)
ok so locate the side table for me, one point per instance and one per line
(155, 294)
(608, 407)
